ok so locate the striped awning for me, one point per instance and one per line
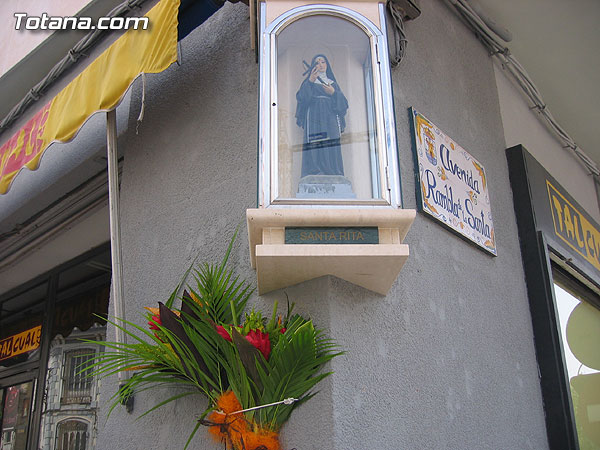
(100, 87)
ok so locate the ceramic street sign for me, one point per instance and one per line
(453, 187)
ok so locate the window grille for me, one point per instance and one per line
(71, 435)
(77, 385)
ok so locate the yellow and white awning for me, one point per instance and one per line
(100, 87)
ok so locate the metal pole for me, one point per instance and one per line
(596, 181)
(115, 228)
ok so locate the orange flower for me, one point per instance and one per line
(153, 311)
(236, 431)
(196, 299)
(229, 403)
(156, 311)
(261, 438)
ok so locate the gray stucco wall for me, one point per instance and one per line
(445, 361)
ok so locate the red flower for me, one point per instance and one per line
(223, 332)
(261, 341)
(154, 322)
(282, 331)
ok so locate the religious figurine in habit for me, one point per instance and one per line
(321, 112)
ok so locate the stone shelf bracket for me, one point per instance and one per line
(374, 266)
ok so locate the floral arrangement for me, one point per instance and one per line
(254, 370)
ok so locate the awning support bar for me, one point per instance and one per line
(115, 231)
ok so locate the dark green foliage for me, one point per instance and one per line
(191, 353)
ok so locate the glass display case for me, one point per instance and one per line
(327, 133)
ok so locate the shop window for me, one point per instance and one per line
(77, 383)
(39, 322)
(327, 133)
(563, 285)
(15, 415)
(21, 319)
(71, 435)
(579, 323)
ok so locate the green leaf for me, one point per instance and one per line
(192, 434)
(195, 356)
(169, 400)
(173, 296)
(249, 356)
(171, 322)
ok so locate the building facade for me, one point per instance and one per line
(452, 355)
(71, 400)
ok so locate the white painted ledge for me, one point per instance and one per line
(372, 266)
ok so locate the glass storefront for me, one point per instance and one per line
(561, 260)
(41, 327)
(580, 335)
(16, 415)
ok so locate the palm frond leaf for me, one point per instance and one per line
(191, 350)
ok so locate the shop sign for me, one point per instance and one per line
(332, 235)
(573, 228)
(20, 343)
(568, 229)
(453, 186)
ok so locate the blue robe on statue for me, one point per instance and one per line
(322, 116)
